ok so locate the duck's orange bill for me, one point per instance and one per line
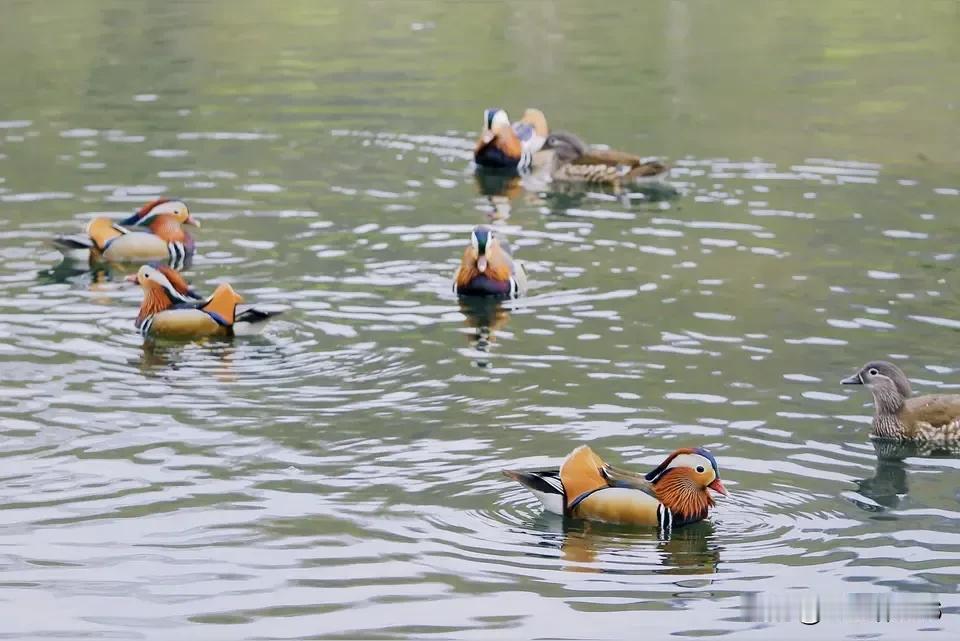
(717, 486)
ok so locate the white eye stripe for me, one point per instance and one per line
(474, 240)
(166, 284)
(691, 460)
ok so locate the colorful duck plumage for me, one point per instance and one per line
(932, 418)
(585, 487)
(572, 160)
(487, 269)
(154, 232)
(170, 309)
(503, 145)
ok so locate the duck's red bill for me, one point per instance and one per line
(132, 278)
(717, 486)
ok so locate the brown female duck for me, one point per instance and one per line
(932, 418)
(574, 161)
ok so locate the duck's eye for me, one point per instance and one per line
(873, 371)
(699, 469)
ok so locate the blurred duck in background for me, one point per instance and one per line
(154, 232)
(507, 146)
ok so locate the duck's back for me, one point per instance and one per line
(185, 322)
(934, 417)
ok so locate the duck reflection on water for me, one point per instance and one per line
(584, 545)
(889, 483)
(485, 316)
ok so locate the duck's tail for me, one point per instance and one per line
(72, 243)
(254, 315)
(650, 170)
(543, 484)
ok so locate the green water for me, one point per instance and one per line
(338, 476)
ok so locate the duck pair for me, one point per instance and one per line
(528, 144)
(676, 492)
(170, 308)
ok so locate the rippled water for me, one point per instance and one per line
(339, 474)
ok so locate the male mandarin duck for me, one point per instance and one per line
(572, 160)
(171, 309)
(153, 232)
(933, 418)
(584, 487)
(487, 269)
(505, 146)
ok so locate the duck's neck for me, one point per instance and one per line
(887, 401)
(154, 301)
(168, 228)
(498, 268)
(685, 497)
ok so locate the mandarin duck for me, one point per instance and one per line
(510, 146)
(897, 415)
(487, 269)
(584, 487)
(153, 232)
(571, 160)
(171, 309)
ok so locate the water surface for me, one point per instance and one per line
(338, 475)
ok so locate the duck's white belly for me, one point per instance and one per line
(137, 246)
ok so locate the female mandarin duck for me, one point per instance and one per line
(171, 309)
(934, 418)
(506, 146)
(487, 269)
(153, 232)
(572, 160)
(584, 487)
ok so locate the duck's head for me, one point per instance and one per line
(887, 381)
(567, 146)
(163, 280)
(494, 119)
(536, 118)
(689, 469)
(163, 207)
(483, 241)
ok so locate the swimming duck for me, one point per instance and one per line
(573, 161)
(510, 146)
(584, 487)
(933, 418)
(153, 232)
(171, 309)
(487, 269)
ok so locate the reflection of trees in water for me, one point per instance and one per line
(889, 481)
